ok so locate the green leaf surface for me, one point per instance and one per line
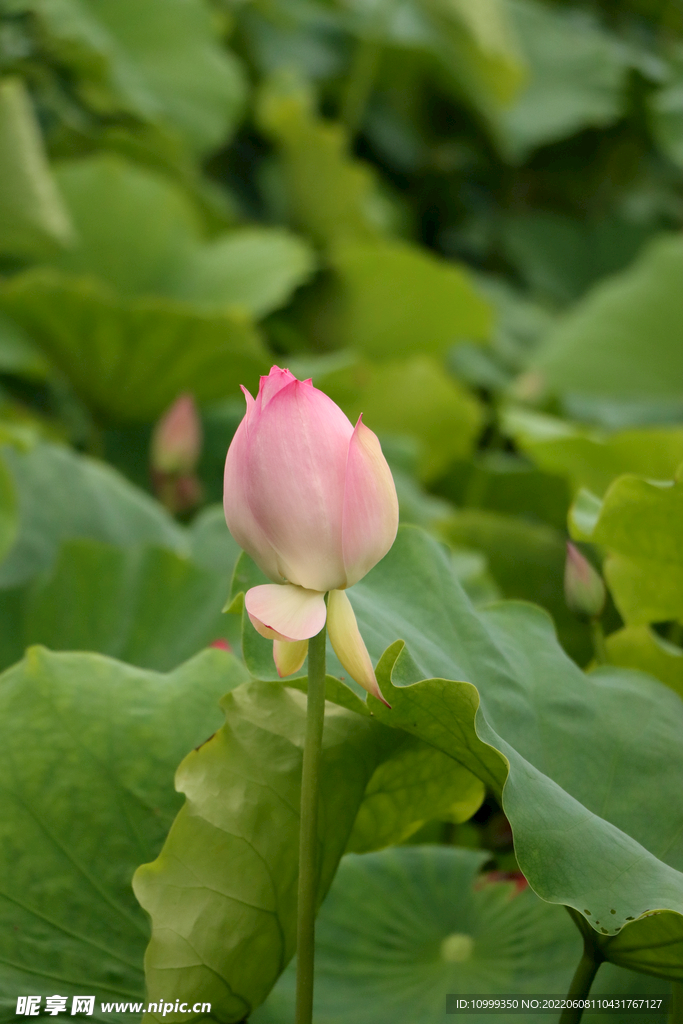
(18, 355)
(89, 749)
(61, 495)
(576, 78)
(402, 929)
(590, 830)
(560, 257)
(222, 894)
(477, 47)
(211, 544)
(328, 194)
(508, 484)
(593, 458)
(145, 606)
(252, 268)
(130, 359)
(639, 524)
(526, 560)
(398, 299)
(136, 228)
(141, 57)
(640, 647)
(140, 233)
(597, 349)
(413, 785)
(33, 218)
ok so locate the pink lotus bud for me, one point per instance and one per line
(221, 645)
(177, 438)
(583, 587)
(312, 500)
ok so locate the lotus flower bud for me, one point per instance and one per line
(177, 438)
(583, 587)
(175, 451)
(311, 498)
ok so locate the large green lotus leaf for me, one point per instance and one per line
(89, 748)
(222, 894)
(62, 495)
(143, 57)
(639, 525)
(494, 690)
(329, 194)
(136, 229)
(561, 256)
(253, 268)
(526, 560)
(413, 397)
(594, 458)
(146, 606)
(640, 647)
(398, 299)
(18, 355)
(477, 48)
(211, 543)
(139, 232)
(598, 349)
(415, 784)
(509, 484)
(33, 218)
(128, 359)
(576, 78)
(402, 929)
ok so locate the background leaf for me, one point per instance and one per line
(86, 499)
(590, 831)
(410, 925)
(80, 730)
(141, 57)
(33, 218)
(146, 606)
(398, 300)
(598, 348)
(129, 360)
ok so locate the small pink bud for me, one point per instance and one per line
(177, 438)
(584, 589)
(504, 877)
(221, 645)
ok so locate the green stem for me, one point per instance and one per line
(676, 1011)
(308, 829)
(581, 984)
(598, 638)
(587, 968)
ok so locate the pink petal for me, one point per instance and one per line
(348, 644)
(289, 657)
(285, 612)
(370, 518)
(270, 385)
(298, 449)
(238, 515)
